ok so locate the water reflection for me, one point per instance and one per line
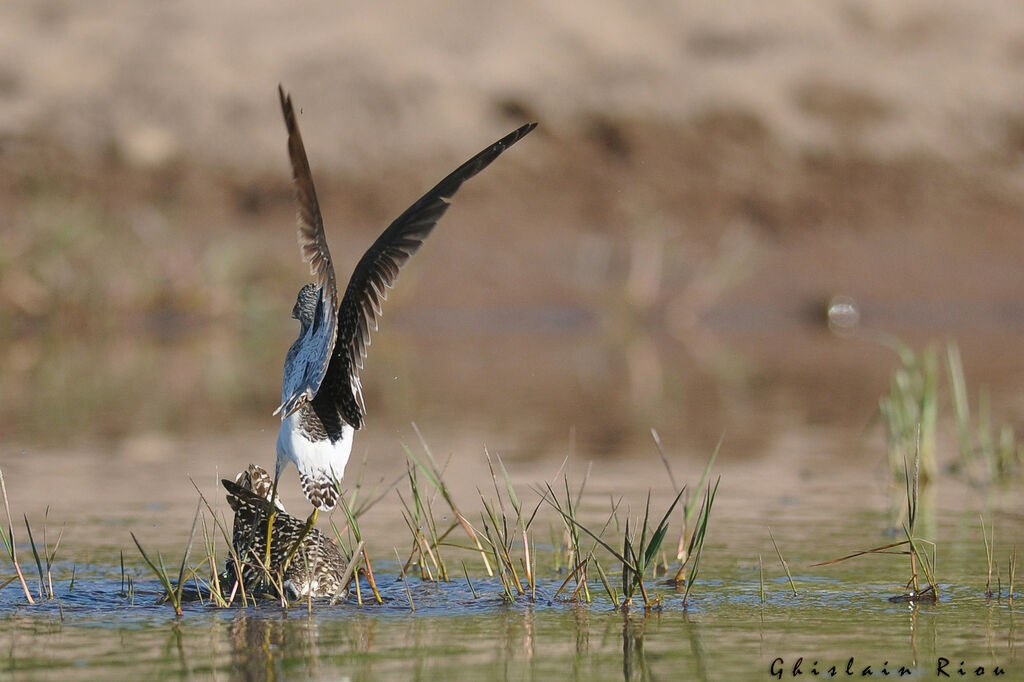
(271, 646)
(634, 660)
(581, 628)
(526, 386)
(175, 648)
(524, 376)
(263, 648)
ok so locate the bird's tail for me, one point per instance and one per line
(253, 482)
(320, 489)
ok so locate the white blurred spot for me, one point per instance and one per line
(843, 315)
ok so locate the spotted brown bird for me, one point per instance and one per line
(301, 565)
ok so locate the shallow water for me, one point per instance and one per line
(724, 632)
(92, 449)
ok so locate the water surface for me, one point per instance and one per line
(725, 631)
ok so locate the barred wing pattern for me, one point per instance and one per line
(308, 358)
(377, 271)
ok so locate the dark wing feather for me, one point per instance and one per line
(377, 271)
(243, 498)
(308, 359)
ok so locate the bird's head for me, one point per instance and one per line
(305, 306)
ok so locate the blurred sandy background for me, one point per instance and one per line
(660, 252)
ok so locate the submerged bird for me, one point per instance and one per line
(316, 566)
(321, 396)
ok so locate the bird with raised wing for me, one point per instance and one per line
(321, 396)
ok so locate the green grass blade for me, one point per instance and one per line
(576, 524)
(35, 554)
(663, 527)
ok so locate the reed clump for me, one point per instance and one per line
(914, 546)
(910, 410)
(910, 413)
(642, 540)
(505, 540)
(987, 455)
(995, 591)
(11, 548)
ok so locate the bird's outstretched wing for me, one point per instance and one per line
(309, 357)
(377, 271)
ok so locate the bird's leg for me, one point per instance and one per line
(310, 522)
(270, 519)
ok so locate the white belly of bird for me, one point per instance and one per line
(312, 457)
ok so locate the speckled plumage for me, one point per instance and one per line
(315, 570)
(321, 394)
